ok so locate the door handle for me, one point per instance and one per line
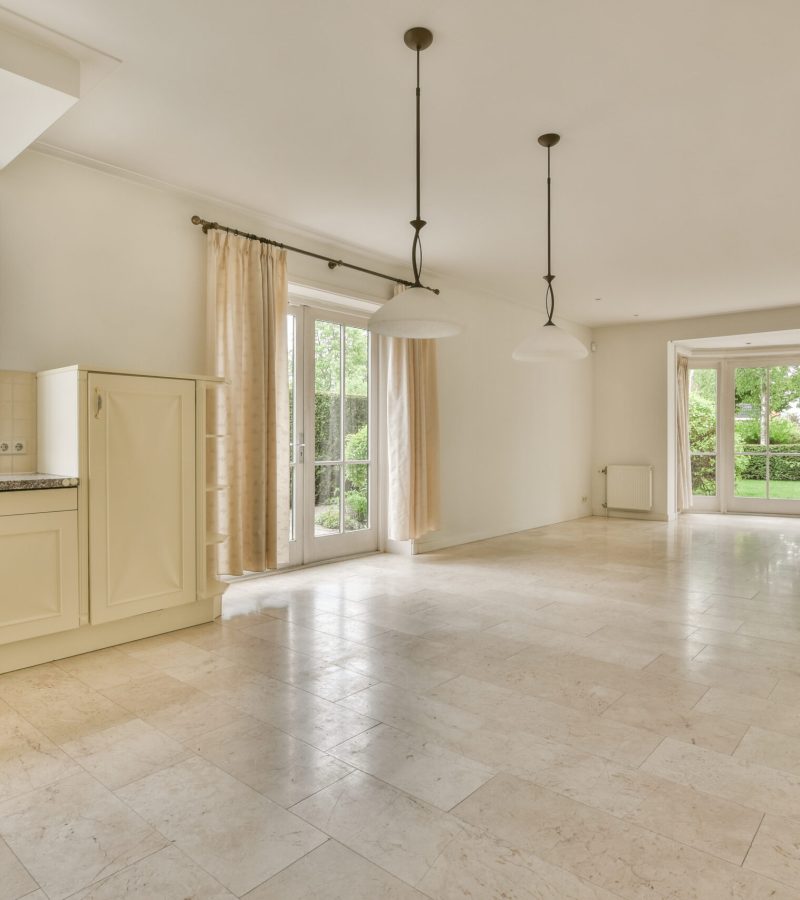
(300, 452)
(98, 404)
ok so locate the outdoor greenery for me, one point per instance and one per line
(766, 426)
(331, 406)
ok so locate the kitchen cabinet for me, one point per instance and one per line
(136, 554)
(39, 592)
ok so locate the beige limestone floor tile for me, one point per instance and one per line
(302, 639)
(782, 654)
(776, 850)
(320, 677)
(125, 753)
(394, 669)
(787, 690)
(332, 872)
(15, 880)
(591, 647)
(28, 759)
(629, 861)
(415, 714)
(411, 647)
(104, 668)
(504, 710)
(758, 787)
(237, 835)
(489, 643)
(480, 866)
(770, 748)
(752, 710)
(399, 833)
(562, 617)
(785, 633)
(708, 823)
(74, 832)
(187, 720)
(60, 706)
(712, 675)
(693, 726)
(303, 715)
(166, 875)
(191, 672)
(151, 693)
(165, 650)
(642, 683)
(421, 768)
(356, 628)
(269, 761)
(650, 637)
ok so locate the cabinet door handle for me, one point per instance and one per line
(98, 407)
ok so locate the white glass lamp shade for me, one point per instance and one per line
(549, 343)
(413, 313)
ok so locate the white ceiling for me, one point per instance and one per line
(676, 184)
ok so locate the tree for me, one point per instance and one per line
(769, 393)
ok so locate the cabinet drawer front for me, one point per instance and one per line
(16, 503)
(38, 575)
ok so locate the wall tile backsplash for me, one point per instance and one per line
(18, 420)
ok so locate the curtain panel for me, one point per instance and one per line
(412, 419)
(247, 308)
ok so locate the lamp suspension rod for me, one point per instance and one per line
(418, 223)
(548, 141)
(332, 263)
(549, 267)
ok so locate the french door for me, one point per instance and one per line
(744, 435)
(764, 436)
(332, 460)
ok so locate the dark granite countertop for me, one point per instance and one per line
(35, 482)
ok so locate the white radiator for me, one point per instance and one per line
(629, 487)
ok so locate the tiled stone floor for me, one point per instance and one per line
(594, 710)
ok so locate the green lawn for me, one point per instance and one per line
(778, 490)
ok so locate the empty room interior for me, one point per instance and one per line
(399, 450)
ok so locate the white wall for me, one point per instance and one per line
(631, 381)
(108, 270)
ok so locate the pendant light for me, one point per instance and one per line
(549, 342)
(417, 311)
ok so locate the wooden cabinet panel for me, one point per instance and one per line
(38, 574)
(141, 449)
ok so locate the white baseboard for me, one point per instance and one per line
(438, 541)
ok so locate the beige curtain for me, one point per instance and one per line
(682, 431)
(247, 306)
(412, 435)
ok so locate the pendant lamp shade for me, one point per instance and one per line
(416, 312)
(549, 343)
(413, 313)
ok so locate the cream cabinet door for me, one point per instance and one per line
(38, 574)
(141, 447)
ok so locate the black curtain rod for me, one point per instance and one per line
(332, 263)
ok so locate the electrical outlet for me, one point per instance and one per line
(584, 499)
(19, 446)
(5, 446)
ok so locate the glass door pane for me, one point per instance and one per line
(750, 432)
(783, 436)
(703, 431)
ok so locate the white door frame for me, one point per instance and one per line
(308, 547)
